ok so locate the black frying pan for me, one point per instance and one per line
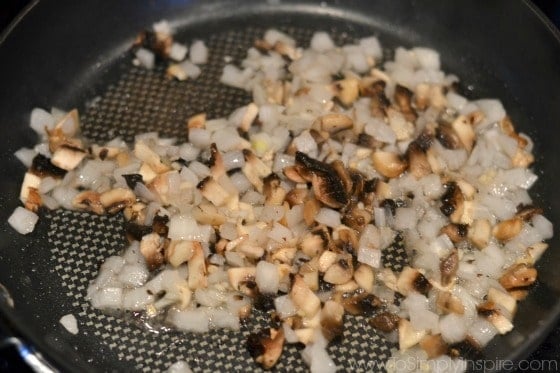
(65, 53)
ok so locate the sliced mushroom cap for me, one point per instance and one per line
(266, 346)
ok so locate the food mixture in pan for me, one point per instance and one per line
(290, 204)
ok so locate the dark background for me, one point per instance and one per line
(9, 359)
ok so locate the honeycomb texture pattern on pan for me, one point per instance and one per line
(145, 100)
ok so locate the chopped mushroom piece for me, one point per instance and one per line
(388, 164)
(518, 276)
(433, 345)
(151, 248)
(332, 316)
(304, 298)
(507, 229)
(408, 335)
(68, 157)
(266, 346)
(117, 199)
(411, 279)
(90, 201)
(490, 311)
(385, 321)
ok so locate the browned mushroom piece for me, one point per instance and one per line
(403, 99)
(332, 123)
(304, 298)
(239, 275)
(42, 166)
(216, 162)
(151, 247)
(296, 196)
(385, 321)
(455, 232)
(491, 312)
(375, 89)
(310, 209)
(312, 244)
(332, 319)
(266, 346)
(255, 169)
(411, 279)
(388, 164)
(433, 345)
(292, 173)
(273, 192)
(213, 191)
(33, 200)
(89, 201)
(448, 267)
(117, 199)
(158, 42)
(340, 272)
(508, 229)
(452, 202)
(526, 213)
(360, 302)
(327, 185)
(449, 303)
(197, 268)
(347, 90)
(448, 137)
(418, 164)
(197, 121)
(179, 252)
(464, 131)
(518, 276)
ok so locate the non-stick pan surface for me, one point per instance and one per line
(69, 54)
